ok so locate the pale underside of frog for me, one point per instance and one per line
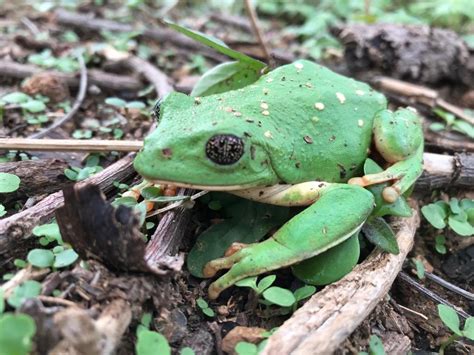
(298, 136)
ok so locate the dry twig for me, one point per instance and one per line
(252, 14)
(77, 104)
(421, 94)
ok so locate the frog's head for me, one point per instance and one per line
(197, 144)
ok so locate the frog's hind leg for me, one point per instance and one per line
(399, 139)
(339, 212)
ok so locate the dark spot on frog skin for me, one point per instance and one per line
(265, 162)
(342, 171)
(333, 138)
(283, 78)
(249, 120)
(353, 167)
(260, 193)
(167, 153)
(252, 152)
(247, 134)
(297, 165)
(308, 139)
(259, 123)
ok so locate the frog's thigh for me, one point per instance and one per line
(334, 217)
(398, 138)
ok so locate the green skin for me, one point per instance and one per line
(300, 125)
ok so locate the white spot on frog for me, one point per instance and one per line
(228, 109)
(264, 105)
(197, 100)
(319, 106)
(268, 134)
(299, 66)
(265, 113)
(360, 93)
(412, 109)
(308, 85)
(269, 80)
(237, 114)
(341, 97)
(360, 123)
(315, 119)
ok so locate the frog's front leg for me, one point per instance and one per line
(399, 139)
(338, 213)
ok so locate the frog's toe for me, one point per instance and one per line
(234, 248)
(239, 270)
(231, 257)
(391, 193)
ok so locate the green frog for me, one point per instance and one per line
(298, 136)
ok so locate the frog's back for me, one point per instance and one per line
(314, 123)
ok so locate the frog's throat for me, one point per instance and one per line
(205, 187)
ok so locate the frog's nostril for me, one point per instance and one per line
(167, 153)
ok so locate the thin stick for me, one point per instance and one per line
(421, 94)
(434, 296)
(77, 104)
(69, 145)
(256, 29)
(442, 282)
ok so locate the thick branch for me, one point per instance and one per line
(331, 315)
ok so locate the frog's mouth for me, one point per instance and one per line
(205, 187)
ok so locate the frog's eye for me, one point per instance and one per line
(156, 109)
(224, 149)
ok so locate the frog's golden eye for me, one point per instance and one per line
(224, 149)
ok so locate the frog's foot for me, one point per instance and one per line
(399, 139)
(313, 231)
(390, 193)
(403, 174)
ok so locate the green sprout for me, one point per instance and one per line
(451, 320)
(204, 306)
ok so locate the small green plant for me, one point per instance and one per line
(375, 346)
(28, 289)
(26, 102)
(119, 103)
(46, 59)
(48, 233)
(420, 268)
(276, 295)
(246, 348)
(16, 333)
(204, 306)
(59, 256)
(458, 215)
(122, 41)
(8, 183)
(451, 122)
(92, 167)
(440, 244)
(151, 343)
(451, 320)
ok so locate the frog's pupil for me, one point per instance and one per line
(224, 149)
